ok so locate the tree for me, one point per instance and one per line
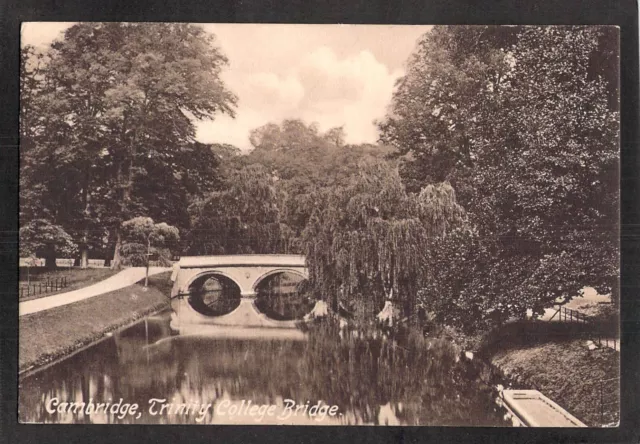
(522, 126)
(241, 218)
(336, 136)
(305, 161)
(57, 179)
(229, 159)
(368, 242)
(41, 238)
(446, 98)
(143, 237)
(42, 211)
(118, 104)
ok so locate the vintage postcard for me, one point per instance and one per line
(319, 224)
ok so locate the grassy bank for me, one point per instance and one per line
(554, 359)
(75, 278)
(51, 334)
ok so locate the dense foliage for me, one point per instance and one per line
(105, 109)
(303, 162)
(41, 238)
(368, 241)
(143, 237)
(523, 125)
(493, 190)
(242, 218)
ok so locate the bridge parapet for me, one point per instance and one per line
(264, 260)
(246, 270)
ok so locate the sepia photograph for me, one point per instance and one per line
(297, 224)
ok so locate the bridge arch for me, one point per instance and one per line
(209, 273)
(213, 293)
(280, 294)
(264, 276)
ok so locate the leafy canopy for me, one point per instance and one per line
(109, 106)
(522, 125)
(142, 235)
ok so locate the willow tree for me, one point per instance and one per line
(366, 243)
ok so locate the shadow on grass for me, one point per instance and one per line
(527, 333)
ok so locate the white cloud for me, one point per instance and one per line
(353, 91)
(263, 98)
(330, 74)
(321, 87)
(265, 90)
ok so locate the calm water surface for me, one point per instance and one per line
(204, 380)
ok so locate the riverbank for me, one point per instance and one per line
(555, 359)
(51, 334)
(570, 374)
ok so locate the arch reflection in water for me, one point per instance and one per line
(214, 295)
(284, 296)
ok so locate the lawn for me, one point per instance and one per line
(50, 334)
(76, 278)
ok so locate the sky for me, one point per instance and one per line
(334, 75)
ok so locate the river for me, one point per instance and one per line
(206, 380)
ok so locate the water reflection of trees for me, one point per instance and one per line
(424, 381)
(419, 381)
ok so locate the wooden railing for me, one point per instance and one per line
(607, 342)
(568, 315)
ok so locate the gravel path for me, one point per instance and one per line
(126, 277)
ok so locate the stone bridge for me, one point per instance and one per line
(240, 275)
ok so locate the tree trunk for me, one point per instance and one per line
(116, 263)
(84, 256)
(50, 257)
(146, 276)
(84, 246)
(125, 192)
(108, 250)
(126, 188)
